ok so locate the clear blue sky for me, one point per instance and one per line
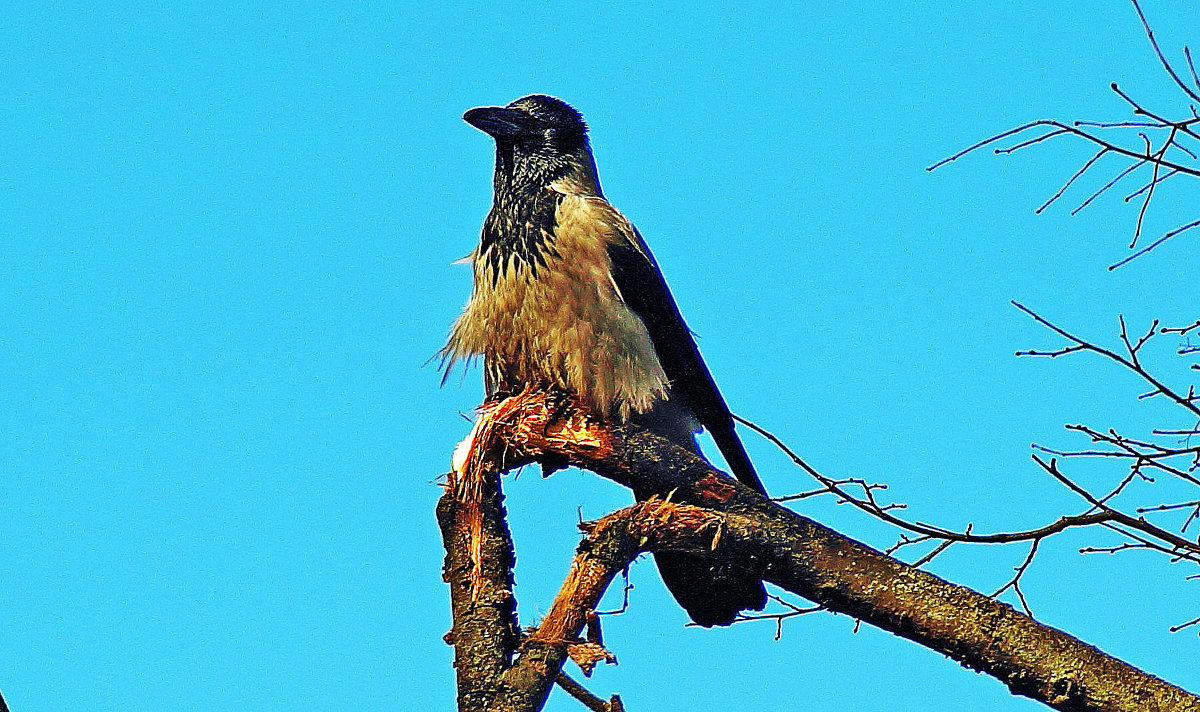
(226, 239)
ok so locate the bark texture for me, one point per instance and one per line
(485, 633)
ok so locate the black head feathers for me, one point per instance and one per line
(535, 122)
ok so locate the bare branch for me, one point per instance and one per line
(1104, 188)
(1182, 330)
(838, 573)
(990, 140)
(1181, 626)
(1060, 129)
(1156, 243)
(587, 699)
(1179, 546)
(1162, 159)
(1129, 363)
(1071, 180)
(1015, 582)
(869, 506)
(1032, 141)
(1167, 65)
(940, 548)
(1187, 53)
(792, 612)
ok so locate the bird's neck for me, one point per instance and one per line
(520, 230)
(523, 173)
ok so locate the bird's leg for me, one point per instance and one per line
(559, 403)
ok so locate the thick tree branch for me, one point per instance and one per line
(485, 631)
(834, 571)
(611, 545)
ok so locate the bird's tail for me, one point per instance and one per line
(735, 454)
(710, 591)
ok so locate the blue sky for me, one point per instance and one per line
(226, 238)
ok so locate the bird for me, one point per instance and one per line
(567, 295)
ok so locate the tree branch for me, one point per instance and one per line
(1123, 145)
(478, 568)
(806, 558)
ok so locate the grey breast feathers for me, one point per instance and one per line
(563, 323)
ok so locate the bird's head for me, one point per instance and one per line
(538, 138)
(535, 123)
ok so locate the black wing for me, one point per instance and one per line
(644, 291)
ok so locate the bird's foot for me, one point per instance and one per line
(558, 404)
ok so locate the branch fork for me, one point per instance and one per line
(709, 512)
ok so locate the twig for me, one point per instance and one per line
(779, 617)
(868, 506)
(1116, 517)
(1072, 179)
(1166, 65)
(625, 589)
(1156, 243)
(1104, 188)
(1163, 162)
(939, 549)
(1060, 128)
(1015, 582)
(579, 692)
(1081, 345)
(1181, 626)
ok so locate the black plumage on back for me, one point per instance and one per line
(567, 294)
(645, 292)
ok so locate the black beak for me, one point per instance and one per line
(498, 121)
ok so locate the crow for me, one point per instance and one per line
(567, 295)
